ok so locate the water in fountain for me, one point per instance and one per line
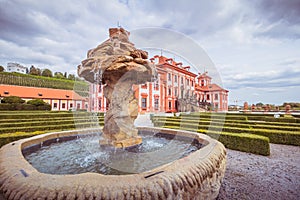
(76, 157)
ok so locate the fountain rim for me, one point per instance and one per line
(16, 171)
(38, 139)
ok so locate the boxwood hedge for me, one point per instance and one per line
(242, 142)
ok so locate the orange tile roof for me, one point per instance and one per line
(210, 87)
(38, 93)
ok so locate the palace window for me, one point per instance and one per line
(144, 103)
(156, 86)
(207, 97)
(63, 105)
(71, 105)
(169, 77)
(216, 96)
(175, 78)
(156, 104)
(192, 83)
(182, 80)
(175, 92)
(169, 92)
(170, 105)
(99, 104)
(144, 86)
(187, 82)
(55, 105)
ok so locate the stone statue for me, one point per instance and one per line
(119, 65)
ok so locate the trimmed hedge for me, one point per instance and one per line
(242, 142)
(214, 116)
(8, 138)
(44, 123)
(15, 106)
(45, 114)
(275, 136)
(16, 125)
(22, 115)
(47, 128)
(280, 124)
(14, 121)
(239, 124)
(281, 131)
(272, 119)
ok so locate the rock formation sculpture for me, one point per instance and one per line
(118, 65)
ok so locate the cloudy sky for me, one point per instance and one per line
(254, 45)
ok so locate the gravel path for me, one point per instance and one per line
(250, 176)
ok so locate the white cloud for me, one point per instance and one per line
(253, 44)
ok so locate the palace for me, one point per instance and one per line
(176, 90)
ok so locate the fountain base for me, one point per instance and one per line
(126, 143)
(196, 176)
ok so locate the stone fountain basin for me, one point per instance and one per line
(196, 176)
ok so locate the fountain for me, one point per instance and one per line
(119, 65)
(141, 163)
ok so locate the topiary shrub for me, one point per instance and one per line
(36, 102)
(12, 100)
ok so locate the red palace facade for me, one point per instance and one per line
(175, 84)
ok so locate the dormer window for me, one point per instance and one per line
(6, 92)
(179, 64)
(187, 68)
(67, 96)
(169, 60)
(40, 94)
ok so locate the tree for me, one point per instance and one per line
(260, 104)
(37, 102)
(58, 75)
(47, 73)
(246, 106)
(34, 71)
(71, 77)
(12, 99)
(39, 71)
(292, 104)
(1, 68)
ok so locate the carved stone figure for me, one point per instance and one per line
(119, 65)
